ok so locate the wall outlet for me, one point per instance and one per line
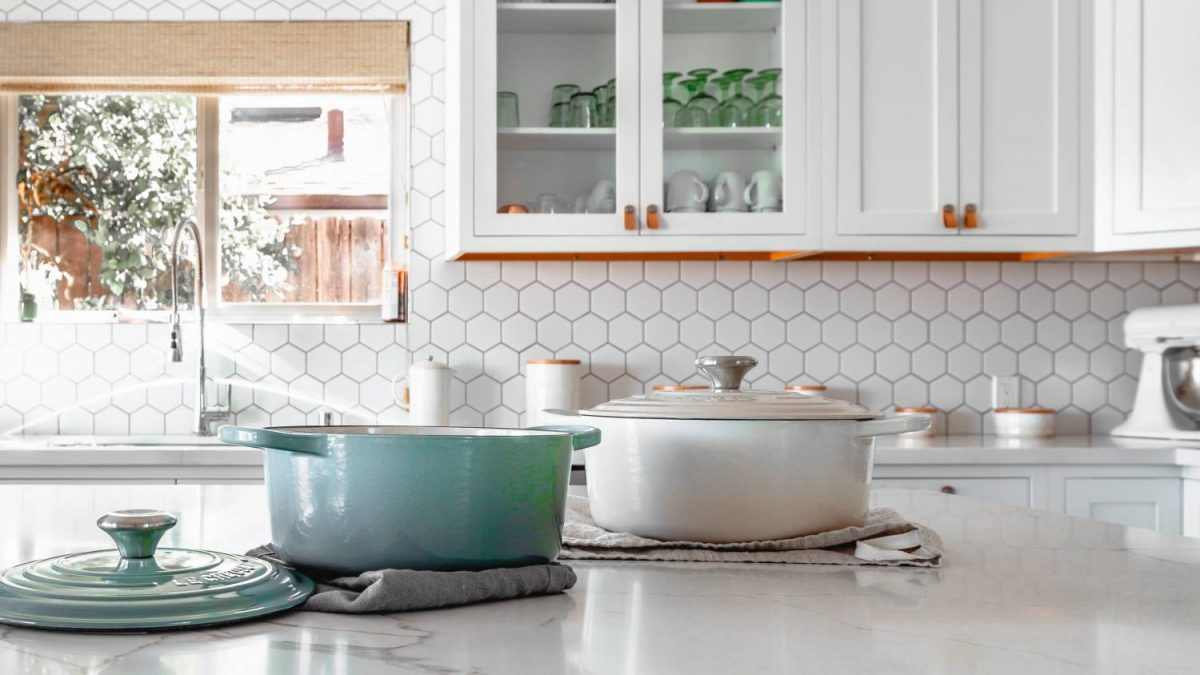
(1006, 391)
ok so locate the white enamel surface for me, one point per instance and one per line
(1022, 591)
(1024, 425)
(727, 480)
(746, 404)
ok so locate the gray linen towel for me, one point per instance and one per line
(918, 546)
(407, 590)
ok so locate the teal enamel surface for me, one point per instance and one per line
(169, 588)
(351, 499)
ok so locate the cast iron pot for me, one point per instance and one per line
(352, 499)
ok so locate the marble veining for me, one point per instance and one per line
(1022, 591)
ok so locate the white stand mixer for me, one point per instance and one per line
(1167, 404)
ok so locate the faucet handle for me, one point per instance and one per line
(176, 340)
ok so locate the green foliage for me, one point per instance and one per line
(129, 164)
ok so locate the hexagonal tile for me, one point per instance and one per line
(1000, 360)
(1070, 362)
(821, 363)
(484, 331)
(323, 362)
(661, 331)
(910, 332)
(644, 360)
(287, 362)
(1035, 363)
(499, 301)
(112, 363)
(892, 301)
(590, 332)
(554, 332)
(465, 301)
(785, 301)
(928, 362)
(537, 301)
(483, 394)
(839, 332)
(1017, 332)
(358, 363)
(75, 362)
(1107, 301)
(787, 362)
(964, 362)
(1035, 301)
(767, 331)
(571, 301)
(946, 331)
(750, 301)
(821, 301)
(874, 332)
(643, 300)
(982, 331)
(1000, 301)
(500, 363)
(964, 301)
(1107, 362)
(715, 301)
(448, 331)
(857, 363)
(733, 331)
(804, 332)
(608, 300)
(856, 301)
(518, 331)
(892, 363)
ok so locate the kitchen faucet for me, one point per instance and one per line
(204, 416)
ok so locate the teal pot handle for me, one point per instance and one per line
(270, 439)
(581, 436)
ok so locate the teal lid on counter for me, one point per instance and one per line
(139, 587)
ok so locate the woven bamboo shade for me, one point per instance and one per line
(204, 57)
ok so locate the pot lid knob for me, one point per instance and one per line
(726, 372)
(136, 531)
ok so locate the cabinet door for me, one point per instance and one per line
(1019, 120)
(1152, 503)
(897, 115)
(533, 176)
(1157, 138)
(724, 95)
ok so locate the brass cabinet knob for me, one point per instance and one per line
(630, 218)
(949, 489)
(949, 218)
(970, 217)
(652, 221)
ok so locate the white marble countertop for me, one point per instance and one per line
(1022, 591)
(168, 452)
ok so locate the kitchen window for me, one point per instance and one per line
(297, 210)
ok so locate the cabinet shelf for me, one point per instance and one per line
(733, 17)
(575, 17)
(555, 138)
(721, 138)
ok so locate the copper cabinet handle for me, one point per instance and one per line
(652, 217)
(630, 218)
(949, 219)
(970, 217)
(949, 489)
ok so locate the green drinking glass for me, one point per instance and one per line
(670, 105)
(692, 115)
(735, 107)
(768, 112)
(584, 111)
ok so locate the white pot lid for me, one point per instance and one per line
(726, 400)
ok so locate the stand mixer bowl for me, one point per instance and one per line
(1181, 370)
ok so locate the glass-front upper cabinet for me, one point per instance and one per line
(723, 117)
(556, 118)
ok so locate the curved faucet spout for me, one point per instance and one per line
(204, 415)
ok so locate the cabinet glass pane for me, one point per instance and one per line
(723, 96)
(556, 123)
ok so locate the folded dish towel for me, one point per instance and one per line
(885, 539)
(407, 590)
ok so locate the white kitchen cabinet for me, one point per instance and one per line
(955, 123)
(528, 48)
(1152, 503)
(1014, 490)
(1147, 50)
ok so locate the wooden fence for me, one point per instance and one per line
(340, 260)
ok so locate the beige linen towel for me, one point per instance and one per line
(885, 539)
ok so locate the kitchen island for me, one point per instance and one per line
(1021, 591)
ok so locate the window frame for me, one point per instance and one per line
(208, 206)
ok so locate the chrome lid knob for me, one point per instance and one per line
(136, 532)
(726, 372)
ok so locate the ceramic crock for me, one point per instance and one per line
(350, 499)
(731, 465)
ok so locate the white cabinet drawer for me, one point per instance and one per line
(1011, 491)
(1153, 503)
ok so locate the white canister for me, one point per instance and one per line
(550, 384)
(1024, 422)
(427, 396)
(904, 410)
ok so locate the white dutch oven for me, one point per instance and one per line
(731, 465)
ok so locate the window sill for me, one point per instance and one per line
(243, 314)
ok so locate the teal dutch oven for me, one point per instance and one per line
(348, 499)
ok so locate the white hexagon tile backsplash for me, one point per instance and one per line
(881, 333)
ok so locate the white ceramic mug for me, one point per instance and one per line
(603, 198)
(428, 397)
(728, 193)
(765, 192)
(686, 193)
